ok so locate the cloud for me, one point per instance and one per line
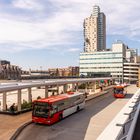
(18, 31)
(27, 4)
(37, 35)
(34, 24)
(74, 50)
(122, 16)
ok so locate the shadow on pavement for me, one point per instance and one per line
(128, 96)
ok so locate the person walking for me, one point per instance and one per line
(0, 105)
(12, 108)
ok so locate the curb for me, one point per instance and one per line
(16, 112)
(98, 94)
(19, 130)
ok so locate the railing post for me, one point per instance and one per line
(65, 88)
(57, 89)
(94, 86)
(73, 86)
(46, 91)
(76, 86)
(4, 101)
(29, 95)
(19, 100)
(86, 86)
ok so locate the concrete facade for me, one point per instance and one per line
(70, 71)
(139, 78)
(131, 72)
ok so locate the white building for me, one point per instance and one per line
(130, 71)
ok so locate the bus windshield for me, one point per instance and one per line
(41, 109)
(118, 91)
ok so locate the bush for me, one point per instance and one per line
(26, 105)
(82, 86)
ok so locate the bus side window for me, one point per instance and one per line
(53, 110)
(61, 105)
(77, 100)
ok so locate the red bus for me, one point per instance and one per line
(119, 91)
(54, 108)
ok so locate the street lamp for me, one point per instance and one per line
(40, 69)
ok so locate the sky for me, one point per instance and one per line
(42, 34)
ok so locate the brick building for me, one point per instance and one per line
(69, 71)
(8, 71)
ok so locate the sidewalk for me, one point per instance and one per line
(9, 124)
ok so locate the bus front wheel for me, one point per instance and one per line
(78, 108)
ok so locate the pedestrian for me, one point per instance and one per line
(53, 93)
(38, 97)
(0, 105)
(101, 88)
(86, 94)
(12, 108)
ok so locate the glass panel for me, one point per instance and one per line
(118, 91)
(41, 109)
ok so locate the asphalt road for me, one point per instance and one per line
(87, 124)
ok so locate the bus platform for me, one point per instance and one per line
(10, 123)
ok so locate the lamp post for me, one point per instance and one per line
(41, 70)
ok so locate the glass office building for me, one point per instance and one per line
(102, 63)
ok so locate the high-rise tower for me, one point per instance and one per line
(95, 31)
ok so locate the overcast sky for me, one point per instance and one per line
(39, 34)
